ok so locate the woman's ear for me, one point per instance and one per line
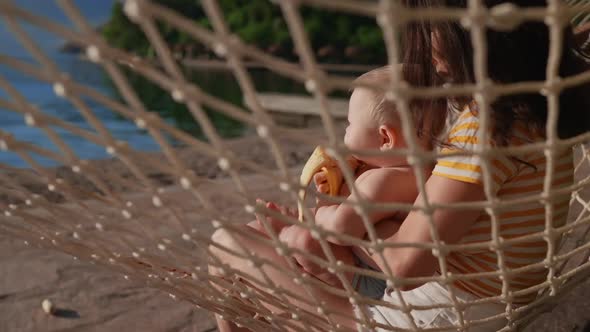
(388, 137)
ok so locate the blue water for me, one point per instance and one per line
(221, 84)
(41, 94)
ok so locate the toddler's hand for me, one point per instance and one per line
(321, 182)
(322, 186)
(275, 224)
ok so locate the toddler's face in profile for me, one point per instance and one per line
(362, 132)
(367, 130)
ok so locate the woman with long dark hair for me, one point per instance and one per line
(500, 269)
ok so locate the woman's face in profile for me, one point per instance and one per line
(438, 60)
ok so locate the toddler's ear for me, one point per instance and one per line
(388, 136)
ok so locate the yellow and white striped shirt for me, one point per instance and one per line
(511, 179)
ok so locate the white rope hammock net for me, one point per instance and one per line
(124, 230)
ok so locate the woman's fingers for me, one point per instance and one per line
(299, 238)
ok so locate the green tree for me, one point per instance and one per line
(260, 22)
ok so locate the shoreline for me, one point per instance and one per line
(120, 179)
(219, 64)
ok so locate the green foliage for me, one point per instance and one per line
(121, 33)
(261, 23)
(335, 37)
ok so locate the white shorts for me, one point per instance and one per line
(430, 294)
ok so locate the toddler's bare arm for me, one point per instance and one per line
(384, 185)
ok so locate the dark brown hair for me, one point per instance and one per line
(428, 115)
(517, 55)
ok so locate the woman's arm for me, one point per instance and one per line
(451, 225)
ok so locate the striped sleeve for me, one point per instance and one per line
(463, 137)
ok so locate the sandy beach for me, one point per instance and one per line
(92, 297)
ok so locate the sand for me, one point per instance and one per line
(90, 297)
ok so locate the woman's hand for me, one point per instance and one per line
(300, 238)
